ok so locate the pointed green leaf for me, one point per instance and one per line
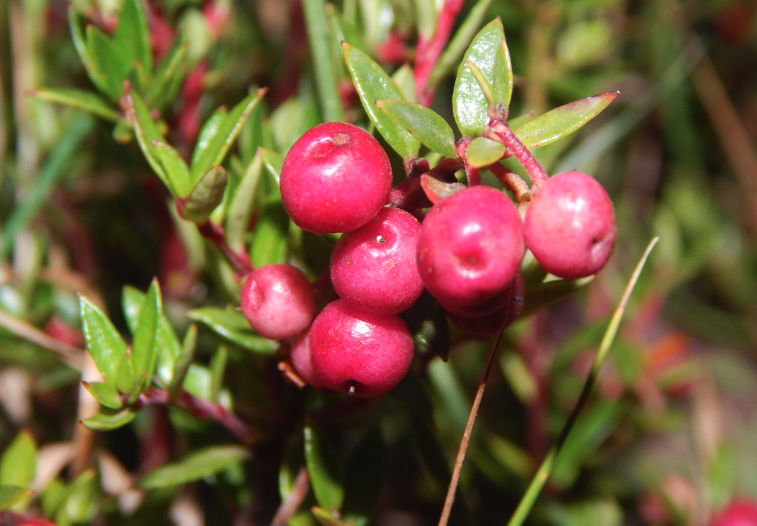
(559, 122)
(132, 35)
(209, 130)
(483, 152)
(82, 502)
(109, 60)
(363, 478)
(323, 469)
(240, 211)
(103, 341)
(405, 81)
(19, 461)
(206, 195)
(125, 377)
(213, 151)
(96, 75)
(183, 362)
(424, 123)
(105, 394)
(217, 369)
(233, 326)
(175, 168)
(169, 69)
(344, 31)
(169, 348)
(195, 466)
(108, 419)
(372, 83)
(272, 161)
(489, 52)
(12, 495)
(144, 352)
(520, 120)
(269, 243)
(78, 99)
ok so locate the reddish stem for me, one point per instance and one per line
(512, 181)
(214, 233)
(428, 51)
(498, 130)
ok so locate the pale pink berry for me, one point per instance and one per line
(277, 301)
(570, 226)
(373, 268)
(335, 178)
(470, 248)
(359, 353)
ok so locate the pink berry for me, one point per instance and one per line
(300, 355)
(740, 512)
(470, 248)
(490, 324)
(359, 353)
(373, 268)
(277, 301)
(570, 226)
(335, 178)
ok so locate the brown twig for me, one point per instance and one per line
(293, 500)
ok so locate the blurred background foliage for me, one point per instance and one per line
(670, 435)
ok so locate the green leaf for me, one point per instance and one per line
(175, 168)
(96, 75)
(78, 99)
(363, 478)
(169, 348)
(489, 53)
(103, 341)
(540, 296)
(324, 63)
(206, 195)
(159, 89)
(559, 122)
(82, 502)
(107, 420)
(12, 495)
(424, 123)
(483, 152)
(272, 161)
(125, 380)
(212, 149)
(19, 461)
(233, 326)
(405, 81)
(208, 131)
(217, 369)
(372, 83)
(323, 469)
(144, 351)
(132, 35)
(105, 394)
(110, 61)
(269, 243)
(183, 362)
(195, 466)
(344, 31)
(240, 211)
(520, 120)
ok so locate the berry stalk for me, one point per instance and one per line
(498, 130)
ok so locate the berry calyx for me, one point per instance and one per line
(277, 301)
(373, 268)
(359, 353)
(335, 178)
(570, 226)
(470, 248)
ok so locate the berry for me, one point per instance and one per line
(570, 226)
(359, 353)
(470, 248)
(373, 268)
(277, 301)
(335, 178)
(490, 324)
(740, 512)
(300, 355)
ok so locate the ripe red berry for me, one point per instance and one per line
(470, 248)
(277, 301)
(300, 355)
(740, 512)
(335, 178)
(570, 226)
(373, 268)
(359, 353)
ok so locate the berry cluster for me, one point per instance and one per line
(467, 252)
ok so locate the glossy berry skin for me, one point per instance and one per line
(335, 178)
(470, 248)
(373, 268)
(277, 301)
(490, 324)
(359, 353)
(740, 512)
(300, 356)
(570, 226)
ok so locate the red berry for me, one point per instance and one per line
(335, 178)
(470, 248)
(359, 353)
(300, 355)
(570, 226)
(277, 301)
(740, 512)
(373, 268)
